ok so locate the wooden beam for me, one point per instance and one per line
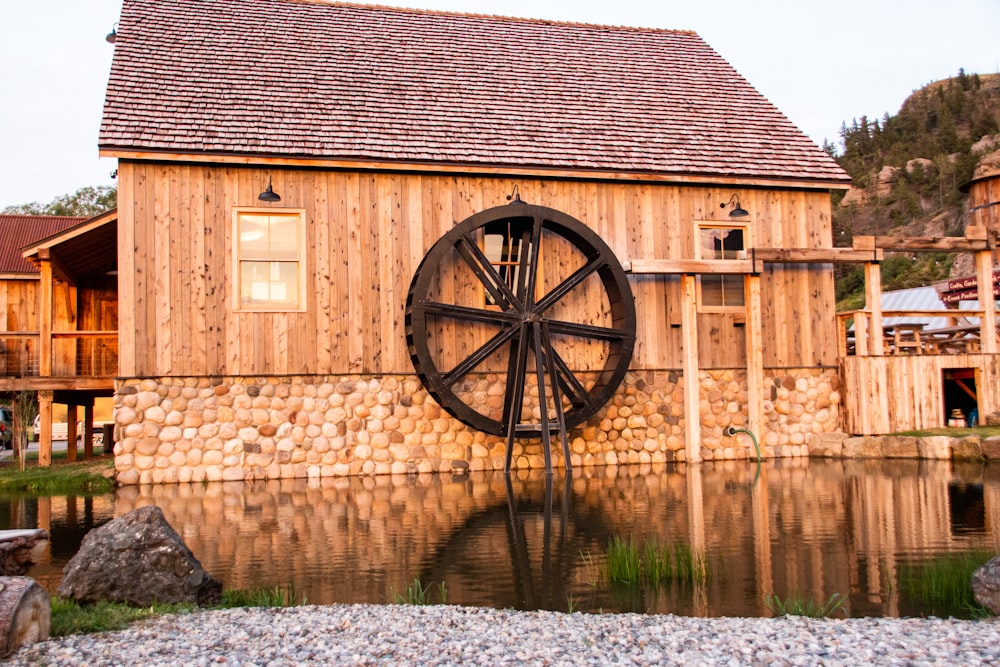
(88, 430)
(932, 244)
(71, 432)
(45, 428)
(689, 266)
(475, 169)
(689, 344)
(873, 301)
(59, 270)
(815, 255)
(755, 357)
(988, 325)
(56, 383)
(45, 293)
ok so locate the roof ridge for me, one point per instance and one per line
(505, 17)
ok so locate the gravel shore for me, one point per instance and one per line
(449, 635)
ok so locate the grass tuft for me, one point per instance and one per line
(944, 584)
(262, 597)
(418, 594)
(796, 605)
(654, 563)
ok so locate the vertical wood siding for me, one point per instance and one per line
(365, 234)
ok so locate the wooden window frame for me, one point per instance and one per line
(237, 301)
(721, 224)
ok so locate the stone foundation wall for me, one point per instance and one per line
(236, 428)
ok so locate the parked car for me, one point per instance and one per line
(60, 430)
(6, 428)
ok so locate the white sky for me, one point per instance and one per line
(821, 62)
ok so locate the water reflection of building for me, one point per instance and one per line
(805, 528)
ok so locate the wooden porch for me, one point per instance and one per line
(68, 350)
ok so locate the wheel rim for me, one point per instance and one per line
(540, 335)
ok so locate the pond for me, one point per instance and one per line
(871, 531)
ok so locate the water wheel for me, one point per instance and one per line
(520, 322)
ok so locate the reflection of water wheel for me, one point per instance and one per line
(520, 321)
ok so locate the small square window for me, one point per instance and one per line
(721, 292)
(269, 251)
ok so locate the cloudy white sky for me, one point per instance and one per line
(821, 62)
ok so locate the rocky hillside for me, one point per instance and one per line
(907, 170)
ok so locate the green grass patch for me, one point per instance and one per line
(89, 477)
(654, 563)
(981, 431)
(944, 585)
(796, 605)
(71, 618)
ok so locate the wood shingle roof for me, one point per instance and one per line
(317, 80)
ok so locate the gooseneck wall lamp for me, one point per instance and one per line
(738, 211)
(113, 35)
(269, 195)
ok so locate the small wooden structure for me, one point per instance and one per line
(59, 302)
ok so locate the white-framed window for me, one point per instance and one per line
(269, 259)
(721, 292)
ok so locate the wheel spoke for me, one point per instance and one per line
(486, 273)
(570, 384)
(514, 392)
(566, 286)
(468, 314)
(586, 330)
(477, 357)
(531, 271)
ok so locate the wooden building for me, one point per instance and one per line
(285, 166)
(58, 316)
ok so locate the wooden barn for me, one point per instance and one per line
(366, 240)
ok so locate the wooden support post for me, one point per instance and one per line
(71, 432)
(988, 324)
(755, 357)
(45, 428)
(88, 431)
(45, 289)
(873, 302)
(689, 344)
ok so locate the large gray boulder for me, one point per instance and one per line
(137, 559)
(986, 585)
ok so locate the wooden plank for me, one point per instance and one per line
(932, 244)
(691, 266)
(163, 293)
(358, 245)
(45, 294)
(984, 274)
(754, 356)
(692, 401)
(813, 255)
(873, 303)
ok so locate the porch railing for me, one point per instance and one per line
(73, 354)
